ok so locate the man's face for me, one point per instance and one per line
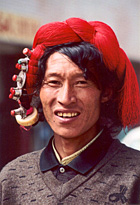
(70, 103)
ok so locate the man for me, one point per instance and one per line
(83, 82)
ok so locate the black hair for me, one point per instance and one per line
(88, 58)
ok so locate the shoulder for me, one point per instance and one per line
(124, 149)
(125, 156)
(19, 176)
(21, 165)
(128, 150)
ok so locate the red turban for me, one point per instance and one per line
(101, 36)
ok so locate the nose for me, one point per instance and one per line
(66, 95)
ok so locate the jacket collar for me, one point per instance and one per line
(85, 161)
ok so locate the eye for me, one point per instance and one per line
(82, 83)
(51, 83)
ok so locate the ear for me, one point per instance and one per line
(106, 95)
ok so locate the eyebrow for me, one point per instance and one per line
(76, 75)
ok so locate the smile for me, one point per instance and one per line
(67, 115)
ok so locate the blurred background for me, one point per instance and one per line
(19, 21)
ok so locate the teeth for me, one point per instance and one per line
(67, 115)
(60, 114)
(73, 114)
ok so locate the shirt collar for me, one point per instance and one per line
(82, 163)
(68, 159)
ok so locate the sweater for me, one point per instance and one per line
(114, 180)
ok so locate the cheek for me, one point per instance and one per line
(48, 101)
(44, 101)
(47, 112)
(93, 97)
(92, 106)
(45, 96)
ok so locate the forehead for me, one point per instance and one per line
(61, 64)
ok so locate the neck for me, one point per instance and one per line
(66, 146)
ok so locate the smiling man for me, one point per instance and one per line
(71, 104)
(86, 89)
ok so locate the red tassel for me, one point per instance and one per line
(129, 98)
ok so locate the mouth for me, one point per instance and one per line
(67, 114)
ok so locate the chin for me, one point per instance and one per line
(66, 133)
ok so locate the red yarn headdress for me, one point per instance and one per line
(101, 36)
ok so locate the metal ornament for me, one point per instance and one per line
(16, 92)
(23, 116)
